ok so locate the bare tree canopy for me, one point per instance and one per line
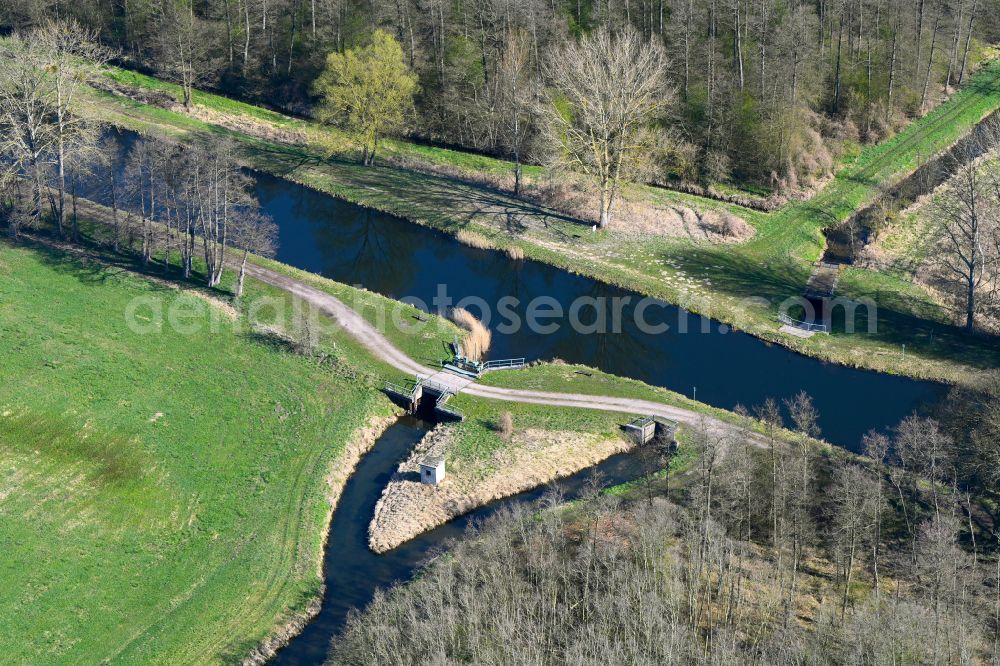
(41, 74)
(609, 86)
(967, 209)
(768, 92)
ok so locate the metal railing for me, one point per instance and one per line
(442, 408)
(441, 389)
(505, 364)
(399, 390)
(641, 421)
(804, 325)
(449, 411)
(668, 424)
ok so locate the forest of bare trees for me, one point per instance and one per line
(183, 202)
(781, 554)
(765, 91)
(167, 201)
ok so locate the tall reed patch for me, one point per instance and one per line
(474, 239)
(477, 339)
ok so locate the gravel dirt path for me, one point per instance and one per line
(373, 339)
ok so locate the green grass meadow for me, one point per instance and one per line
(162, 496)
(163, 491)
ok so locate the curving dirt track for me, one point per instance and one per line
(373, 339)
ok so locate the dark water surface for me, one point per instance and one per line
(353, 572)
(696, 357)
(399, 259)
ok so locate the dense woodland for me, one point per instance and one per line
(761, 92)
(773, 553)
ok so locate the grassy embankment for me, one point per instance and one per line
(712, 280)
(162, 495)
(477, 438)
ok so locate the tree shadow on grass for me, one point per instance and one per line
(446, 202)
(86, 263)
(272, 340)
(94, 264)
(743, 277)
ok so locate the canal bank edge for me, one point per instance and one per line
(879, 359)
(286, 629)
(531, 459)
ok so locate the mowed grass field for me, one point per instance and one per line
(741, 285)
(162, 495)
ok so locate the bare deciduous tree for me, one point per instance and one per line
(221, 190)
(181, 44)
(925, 452)
(876, 446)
(27, 105)
(967, 213)
(609, 86)
(253, 232)
(73, 58)
(515, 101)
(854, 499)
(804, 414)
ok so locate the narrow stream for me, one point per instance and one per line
(353, 572)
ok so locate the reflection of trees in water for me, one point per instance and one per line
(359, 246)
(384, 254)
(628, 352)
(506, 273)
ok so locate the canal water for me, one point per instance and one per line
(399, 259)
(352, 572)
(390, 256)
(694, 356)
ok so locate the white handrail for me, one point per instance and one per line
(804, 325)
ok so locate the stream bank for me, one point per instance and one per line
(352, 572)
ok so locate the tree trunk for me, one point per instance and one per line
(517, 173)
(76, 219)
(919, 30)
(953, 58)
(243, 272)
(739, 43)
(605, 217)
(968, 43)
(37, 194)
(836, 81)
(892, 67)
(229, 30)
(848, 577)
(116, 243)
(970, 301)
(930, 62)
(61, 167)
(687, 48)
(246, 38)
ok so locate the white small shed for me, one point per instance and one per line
(432, 470)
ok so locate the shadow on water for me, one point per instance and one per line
(399, 259)
(352, 572)
(692, 355)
